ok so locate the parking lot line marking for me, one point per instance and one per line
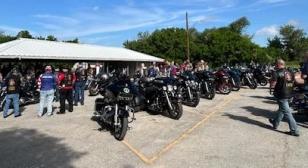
(190, 130)
(137, 152)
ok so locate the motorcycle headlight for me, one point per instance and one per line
(175, 87)
(164, 88)
(170, 88)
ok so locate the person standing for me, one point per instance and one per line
(66, 82)
(57, 94)
(81, 78)
(12, 83)
(282, 84)
(47, 85)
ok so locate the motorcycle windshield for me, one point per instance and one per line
(120, 85)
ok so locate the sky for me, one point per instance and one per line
(112, 22)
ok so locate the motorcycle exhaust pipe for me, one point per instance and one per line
(189, 93)
(168, 101)
(207, 87)
(116, 114)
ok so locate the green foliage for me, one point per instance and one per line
(239, 25)
(24, 34)
(217, 45)
(291, 43)
(5, 38)
(75, 40)
(51, 38)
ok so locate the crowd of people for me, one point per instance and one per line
(60, 85)
(171, 69)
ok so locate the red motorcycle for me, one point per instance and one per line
(222, 82)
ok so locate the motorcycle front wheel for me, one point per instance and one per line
(93, 91)
(263, 82)
(120, 130)
(224, 89)
(177, 111)
(210, 95)
(196, 100)
(253, 85)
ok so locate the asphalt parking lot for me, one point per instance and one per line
(229, 131)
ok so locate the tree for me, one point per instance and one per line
(239, 25)
(216, 45)
(75, 40)
(5, 38)
(51, 38)
(293, 40)
(24, 34)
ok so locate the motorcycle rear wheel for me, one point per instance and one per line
(177, 111)
(120, 131)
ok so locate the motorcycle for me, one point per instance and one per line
(260, 77)
(99, 83)
(206, 81)
(161, 95)
(222, 82)
(189, 88)
(247, 79)
(235, 81)
(114, 108)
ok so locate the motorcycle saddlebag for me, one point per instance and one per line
(99, 103)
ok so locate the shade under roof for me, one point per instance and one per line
(42, 49)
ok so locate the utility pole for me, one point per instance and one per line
(187, 38)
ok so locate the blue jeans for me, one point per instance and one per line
(8, 99)
(46, 99)
(79, 92)
(285, 111)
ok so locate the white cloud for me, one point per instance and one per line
(268, 31)
(293, 22)
(102, 19)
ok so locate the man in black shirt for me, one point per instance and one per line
(12, 84)
(81, 78)
(282, 84)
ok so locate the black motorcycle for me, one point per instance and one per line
(247, 79)
(189, 88)
(161, 95)
(234, 79)
(99, 83)
(114, 108)
(260, 76)
(206, 81)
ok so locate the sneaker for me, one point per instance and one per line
(294, 133)
(75, 104)
(39, 116)
(18, 115)
(272, 121)
(82, 103)
(50, 114)
(5, 116)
